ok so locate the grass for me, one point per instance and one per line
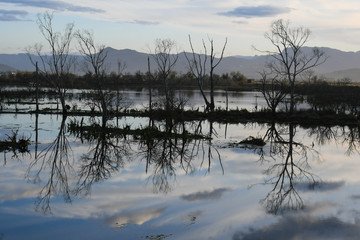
(95, 130)
(15, 143)
(255, 141)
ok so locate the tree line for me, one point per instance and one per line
(287, 66)
(232, 81)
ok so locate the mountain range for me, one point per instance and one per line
(339, 64)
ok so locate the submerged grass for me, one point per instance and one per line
(15, 143)
(255, 141)
(95, 131)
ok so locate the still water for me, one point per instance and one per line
(303, 184)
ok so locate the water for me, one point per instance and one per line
(303, 184)
(139, 99)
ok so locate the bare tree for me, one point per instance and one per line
(95, 57)
(289, 59)
(273, 89)
(56, 65)
(197, 65)
(165, 62)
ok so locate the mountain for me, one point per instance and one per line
(339, 64)
(6, 68)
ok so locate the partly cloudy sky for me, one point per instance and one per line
(135, 24)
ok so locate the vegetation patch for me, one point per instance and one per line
(95, 130)
(254, 141)
(15, 144)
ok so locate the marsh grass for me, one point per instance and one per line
(15, 143)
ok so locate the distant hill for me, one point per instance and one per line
(339, 64)
(6, 68)
(353, 74)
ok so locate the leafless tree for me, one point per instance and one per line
(197, 64)
(55, 66)
(273, 89)
(165, 61)
(289, 58)
(308, 76)
(95, 57)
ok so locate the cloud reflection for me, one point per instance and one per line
(216, 194)
(303, 227)
(320, 186)
(137, 217)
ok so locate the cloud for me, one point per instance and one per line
(54, 5)
(145, 22)
(240, 22)
(204, 196)
(303, 227)
(140, 22)
(8, 15)
(136, 217)
(258, 11)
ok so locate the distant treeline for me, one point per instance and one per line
(231, 81)
(339, 98)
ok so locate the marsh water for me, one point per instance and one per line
(302, 184)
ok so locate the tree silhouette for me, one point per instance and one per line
(57, 65)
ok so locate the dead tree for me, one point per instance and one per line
(289, 58)
(56, 65)
(95, 57)
(197, 64)
(165, 62)
(273, 89)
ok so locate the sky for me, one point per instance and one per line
(135, 24)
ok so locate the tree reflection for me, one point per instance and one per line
(351, 137)
(55, 159)
(207, 148)
(167, 146)
(346, 135)
(290, 167)
(323, 134)
(104, 158)
(176, 147)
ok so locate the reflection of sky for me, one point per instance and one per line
(201, 205)
(139, 100)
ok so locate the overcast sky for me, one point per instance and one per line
(135, 24)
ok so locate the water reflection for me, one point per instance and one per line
(172, 145)
(105, 157)
(53, 163)
(167, 151)
(164, 152)
(166, 147)
(288, 167)
(348, 136)
(16, 144)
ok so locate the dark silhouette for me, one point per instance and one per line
(290, 167)
(197, 64)
(55, 162)
(106, 156)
